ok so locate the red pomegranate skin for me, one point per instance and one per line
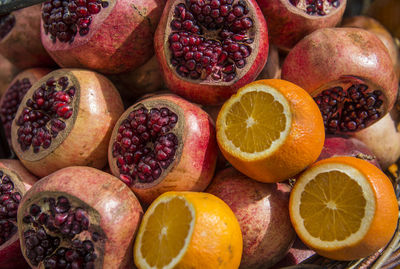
(195, 167)
(10, 253)
(120, 38)
(347, 146)
(204, 92)
(119, 218)
(8, 71)
(297, 254)
(22, 45)
(288, 24)
(263, 214)
(334, 54)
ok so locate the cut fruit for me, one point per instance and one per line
(188, 230)
(344, 208)
(270, 130)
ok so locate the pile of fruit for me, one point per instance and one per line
(196, 133)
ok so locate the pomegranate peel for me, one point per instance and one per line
(163, 143)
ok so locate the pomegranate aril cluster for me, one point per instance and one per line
(63, 19)
(45, 114)
(52, 236)
(7, 22)
(351, 110)
(145, 145)
(9, 201)
(195, 53)
(316, 7)
(12, 100)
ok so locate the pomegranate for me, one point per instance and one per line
(273, 67)
(347, 146)
(20, 39)
(297, 254)
(144, 80)
(106, 36)
(163, 143)
(383, 138)
(377, 28)
(14, 94)
(349, 73)
(208, 49)
(66, 119)
(263, 214)
(79, 217)
(291, 20)
(15, 180)
(8, 71)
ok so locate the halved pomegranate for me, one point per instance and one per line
(349, 73)
(14, 94)
(163, 143)
(20, 39)
(210, 48)
(79, 217)
(109, 36)
(15, 180)
(291, 20)
(66, 119)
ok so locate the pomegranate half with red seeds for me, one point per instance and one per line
(349, 73)
(66, 119)
(109, 36)
(291, 20)
(14, 94)
(20, 39)
(163, 143)
(15, 180)
(208, 49)
(79, 217)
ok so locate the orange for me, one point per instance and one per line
(270, 130)
(344, 208)
(188, 230)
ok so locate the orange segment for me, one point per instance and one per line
(188, 230)
(344, 208)
(270, 130)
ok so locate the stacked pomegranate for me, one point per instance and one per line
(81, 63)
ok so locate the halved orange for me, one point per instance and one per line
(270, 130)
(188, 230)
(344, 208)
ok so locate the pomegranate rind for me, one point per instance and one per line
(10, 253)
(263, 215)
(118, 207)
(194, 162)
(289, 24)
(204, 92)
(98, 108)
(8, 71)
(120, 38)
(333, 55)
(22, 45)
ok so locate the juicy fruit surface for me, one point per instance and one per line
(188, 229)
(211, 39)
(316, 7)
(341, 205)
(267, 128)
(145, 145)
(64, 19)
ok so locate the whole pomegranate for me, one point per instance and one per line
(208, 49)
(14, 94)
(349, 73)
(20, 39)
(291, 20)
(109, 36)
(8, 71)
(263, 214)
(15, 180)
(297, 254)
(163, 143)
(347, 146)
(273, 67)
(79, 217)
(66, 119)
